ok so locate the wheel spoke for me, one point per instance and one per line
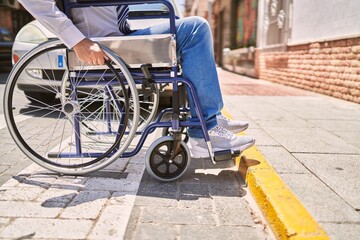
(157, 165)
(160, 154)
(169, 146)
(176, 164)
(167, 168)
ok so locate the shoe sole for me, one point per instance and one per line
(239, 130)
(199, 152)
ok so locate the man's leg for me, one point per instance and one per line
(195, 48)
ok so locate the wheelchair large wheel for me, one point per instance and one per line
(158, 160)
(85, 128)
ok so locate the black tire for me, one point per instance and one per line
(158, 163)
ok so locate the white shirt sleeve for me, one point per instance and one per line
(49, 15)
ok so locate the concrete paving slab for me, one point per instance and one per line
(28, 228)
(111, 223)
(337, 171)
(316, 107)
(279, 119)
(3, 168)
(183, 216)
(44, 180)
(232, 212)
(13, 165)
(341, 231)
(17, 209)
(262, 138)
(161, 200)
(214, 232)
(148, 231)
(11, 158)
(205, 177)
(13, 194)
(227, 190)
(338, 125)
(86, 205)
(240, 115)
(310, 140)
(324, 204)
(282, 160)
(265, 114)
(350, 137)
(111, 184)
(4, 222)
(122, 198)
(195, 196)
(57, 195)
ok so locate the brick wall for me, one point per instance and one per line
(329, 67)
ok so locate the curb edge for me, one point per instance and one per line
(288, 221)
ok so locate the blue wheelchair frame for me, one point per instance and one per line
(170, 77)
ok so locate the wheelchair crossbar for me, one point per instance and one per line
(74, 155)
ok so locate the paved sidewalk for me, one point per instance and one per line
(120, 202)
(312, 141)
(123, 202)
(209, 202)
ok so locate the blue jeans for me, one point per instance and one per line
(196, 54)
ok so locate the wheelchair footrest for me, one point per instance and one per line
(225, 155)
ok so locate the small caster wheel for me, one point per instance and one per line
(158, 160)
(184, 134)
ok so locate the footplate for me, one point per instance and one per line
(225, 155)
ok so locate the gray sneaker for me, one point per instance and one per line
(221, 139)
(232, 125)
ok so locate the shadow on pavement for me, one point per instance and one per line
(202, 180)
(245, 164)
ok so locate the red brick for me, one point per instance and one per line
(354, 63)
(355, 49)
(326, 67)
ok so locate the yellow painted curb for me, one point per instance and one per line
(288, 218)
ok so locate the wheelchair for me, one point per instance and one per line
(102, 113)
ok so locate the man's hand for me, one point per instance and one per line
(89, 52)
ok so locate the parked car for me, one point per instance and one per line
(32, 34)
(6, 43)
